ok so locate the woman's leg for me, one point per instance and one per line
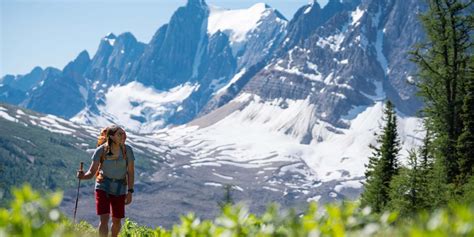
(116, 225)
(118, 212)
(104, 225)
(102, 203)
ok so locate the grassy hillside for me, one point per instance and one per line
(34, 155)
(45, 151)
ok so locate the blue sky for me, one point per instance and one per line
(52, 32)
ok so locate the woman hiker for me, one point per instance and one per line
(113, 165)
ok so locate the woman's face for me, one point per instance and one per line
(124, 136)
(119, 136)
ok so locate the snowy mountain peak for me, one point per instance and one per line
(110, 38)
(312, 6)
(142, 109)
(260, 5)
(237, 23)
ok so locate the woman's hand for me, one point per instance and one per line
(80, 174)
(90, 173)
(128, 198)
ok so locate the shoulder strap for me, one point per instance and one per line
(102, 156)
(124, 153)
(101, 161)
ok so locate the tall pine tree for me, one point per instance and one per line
(409, 191)
(383, 164)
(405, 194)
(442, 62)
(466, 139)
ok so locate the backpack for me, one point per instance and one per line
(102, 139)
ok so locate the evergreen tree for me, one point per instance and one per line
(466, 139)
(409, 191)
(227, 199)
(442, 62)
(425, 155)
(383, 165)
(429, 191)
(468, 194)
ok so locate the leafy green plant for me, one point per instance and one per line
(35, 214)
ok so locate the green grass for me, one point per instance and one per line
(36, 156)
(34, 214)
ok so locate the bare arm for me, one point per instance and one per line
(90, 173)
(131, 180)
(131, 174)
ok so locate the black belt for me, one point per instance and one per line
(115, 180)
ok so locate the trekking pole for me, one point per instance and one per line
(77, 196)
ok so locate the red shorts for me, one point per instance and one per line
(104, 203)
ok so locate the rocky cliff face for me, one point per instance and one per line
(347, 54)
(172, 56)
(61, 92)
(339, 57)
(188, 50)
(13, 89)
(114, 60)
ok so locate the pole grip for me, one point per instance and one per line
(82, 166)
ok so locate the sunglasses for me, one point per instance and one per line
(118, 131)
